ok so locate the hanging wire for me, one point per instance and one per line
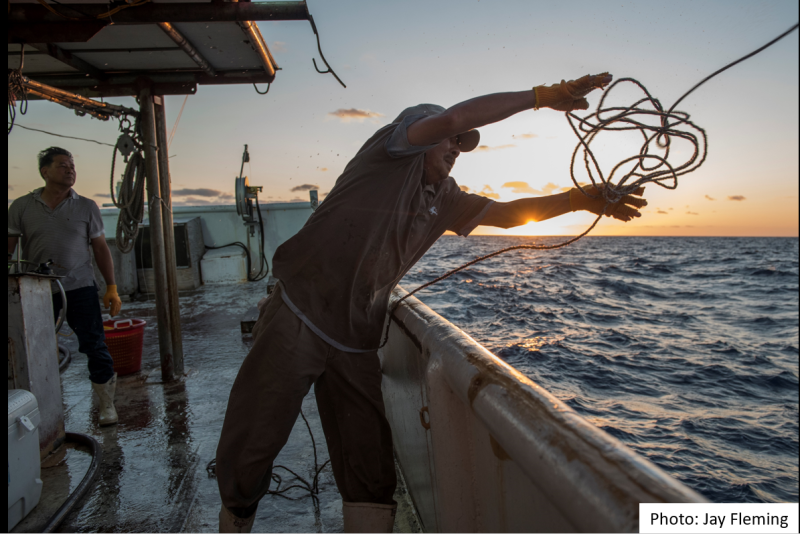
(623, 118)
(16, 91)
(259, 92)
(319, 47)
(64, 136)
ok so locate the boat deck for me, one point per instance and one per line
(153, 477)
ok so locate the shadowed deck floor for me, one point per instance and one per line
(153, 477)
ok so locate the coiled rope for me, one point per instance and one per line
(131, 193)
(649, 167)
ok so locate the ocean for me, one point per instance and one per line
(683, 348)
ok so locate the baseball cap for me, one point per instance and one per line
(467, 141)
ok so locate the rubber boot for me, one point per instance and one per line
(368, 517)
(230, 523)
(105, 392)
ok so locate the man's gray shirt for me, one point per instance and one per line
(63, 235)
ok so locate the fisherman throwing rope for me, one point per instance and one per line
(324, 320)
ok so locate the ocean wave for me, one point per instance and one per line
(683, 348)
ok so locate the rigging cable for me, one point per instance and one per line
(625, 118)
(64, 136)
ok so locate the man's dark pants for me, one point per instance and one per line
(86, 320)
(287, 358)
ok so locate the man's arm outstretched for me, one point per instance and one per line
(488, 109)
(525, 210)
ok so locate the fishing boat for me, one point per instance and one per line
(479, 447)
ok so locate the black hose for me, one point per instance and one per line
(64, 362)
(263, 258)
(80, 491)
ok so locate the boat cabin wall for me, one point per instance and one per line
(484, 449)
(221, 225)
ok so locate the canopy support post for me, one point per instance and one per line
(157, 249)
(171, 265)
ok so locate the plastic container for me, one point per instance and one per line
(124, 339)
(24, 479)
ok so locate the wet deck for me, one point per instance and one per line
(153, 477)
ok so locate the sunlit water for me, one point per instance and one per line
(686, 349)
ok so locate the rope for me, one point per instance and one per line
(131, 194)
(177, 121)
(16, 91)
(312, 488)
(623, 119)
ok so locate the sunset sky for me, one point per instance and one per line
(396, 54)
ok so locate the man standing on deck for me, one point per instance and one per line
(323, 323)
(58, 224)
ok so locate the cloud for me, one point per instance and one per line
(304, 187)
(464, 188)
(488, 192)
(324, 169)
(737, 198)
(278, 46)
(525, 136)
(662, 212)
(525, 188)
(709, 198)
(353, 114)
(691, 213)
(197, 193)
(486, 148)
(200, 197)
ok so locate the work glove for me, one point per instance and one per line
(111, 299)
(624, 210)
(569, 96)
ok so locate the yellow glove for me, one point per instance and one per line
(111, 299)
(569, 96)
(620, 210)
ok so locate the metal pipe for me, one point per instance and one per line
(156, 233)
(187, 47)
(153, 13)
(171, 265)
(259, 46)
(58, 95)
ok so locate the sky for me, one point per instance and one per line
(393, 55)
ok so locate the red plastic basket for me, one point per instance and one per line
(124, 339)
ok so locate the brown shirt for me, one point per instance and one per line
(378, 220)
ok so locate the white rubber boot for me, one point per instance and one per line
(230, 523)
(368, 517)
(105, 392)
